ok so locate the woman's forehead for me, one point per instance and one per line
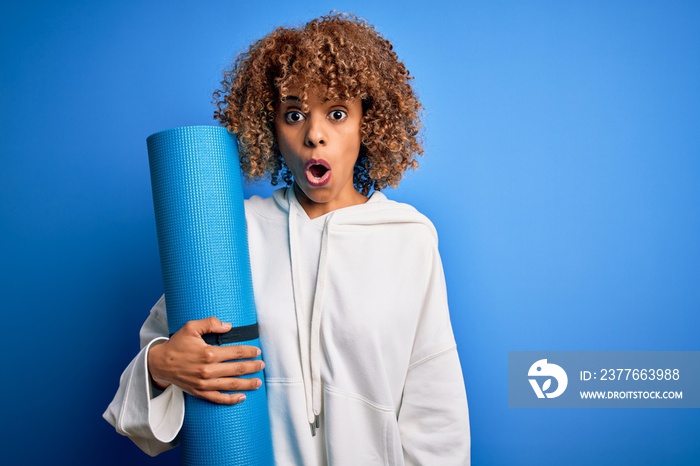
(314, 92)
(313, 98)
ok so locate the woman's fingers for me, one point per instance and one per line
(231, 353)
(229, 369)
(207, 325)
(233, 384)
(215, 389)
(206, 371)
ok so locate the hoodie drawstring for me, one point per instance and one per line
(309, 336)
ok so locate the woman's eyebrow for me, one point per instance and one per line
(291, 97)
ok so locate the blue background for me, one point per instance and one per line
(561, 172)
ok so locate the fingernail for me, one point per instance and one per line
(241, 398)
(258, 383)
(226, 324)
(258, 352)
(262, 365)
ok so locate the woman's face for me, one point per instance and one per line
(320, 146)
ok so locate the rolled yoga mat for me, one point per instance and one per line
(203, 243)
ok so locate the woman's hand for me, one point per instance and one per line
(188, 362)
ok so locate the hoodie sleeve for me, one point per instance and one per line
(151, 418)
(434, 417)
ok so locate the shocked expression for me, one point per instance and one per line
(320, 143)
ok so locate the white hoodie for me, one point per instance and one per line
(355, 332)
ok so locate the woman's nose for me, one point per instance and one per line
(315, 134)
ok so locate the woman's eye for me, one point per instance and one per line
(338, 115)
(294, 116)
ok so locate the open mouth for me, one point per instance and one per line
(318, 172)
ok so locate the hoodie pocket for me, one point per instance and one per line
(359, 431)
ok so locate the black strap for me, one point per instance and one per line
(235, 335)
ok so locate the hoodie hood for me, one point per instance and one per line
(378, 210)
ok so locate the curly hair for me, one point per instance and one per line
(346, 58)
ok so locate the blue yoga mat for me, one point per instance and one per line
(203, 243)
